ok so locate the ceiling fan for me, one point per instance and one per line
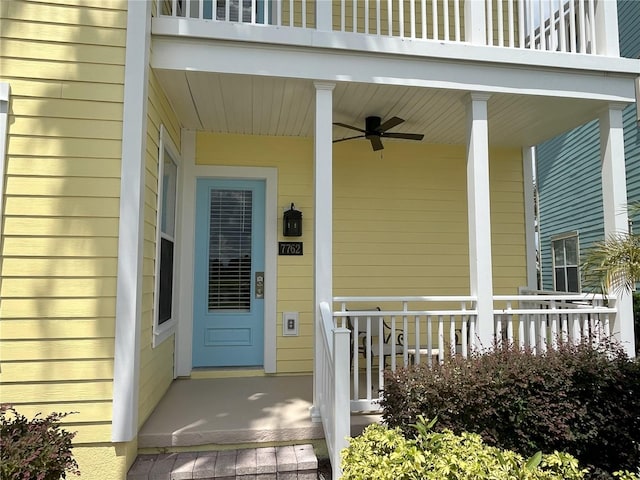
(374, 131)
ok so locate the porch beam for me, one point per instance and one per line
(323, 215)
(614, 200)
(479, 216)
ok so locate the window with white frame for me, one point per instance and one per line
(566, 261)
(165, 238)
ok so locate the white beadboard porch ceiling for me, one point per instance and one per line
(260, 105)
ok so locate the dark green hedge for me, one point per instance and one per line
(579, 399)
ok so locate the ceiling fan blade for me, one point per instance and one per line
(348, 138)
(349, 126)
(376, 143)
(406, 136)
(392, 122)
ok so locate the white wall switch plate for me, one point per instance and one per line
(290, 324)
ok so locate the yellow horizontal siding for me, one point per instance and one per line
(68, 127)
(56, 371)
(62, 206)
(65, 64)
(66, 147)
(59, 267)
(62, 52)
(55, 32)
(61, 328)
(63, 227)
(84, 412)
(33, 89)
(59, 247)
(60, 107)
(58, 391)
(65, 187)
(59, 287)
(47, 349)
(113, 16)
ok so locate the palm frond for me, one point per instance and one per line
(613, 265)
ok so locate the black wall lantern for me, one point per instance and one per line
(292, 222)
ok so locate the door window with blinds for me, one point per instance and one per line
(230, 252)
(566, 273)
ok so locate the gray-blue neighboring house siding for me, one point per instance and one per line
(568, 167)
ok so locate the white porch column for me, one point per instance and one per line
(475, 30)
(323, 213)
(529, 217)
(607, 40)
(614, 199)
(480, 269)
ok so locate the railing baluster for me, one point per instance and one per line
(464, 335)
(592, 25)
(356, 375)
(393, 343)
(381, 358)
(343, 15)
(573, 34)
(278, 12)
(441, 337)
(412, 20)
(378, 18)
(497, 336)
(445, 15)
(405, 339)
(389, 18)
(304, 13)
(452, 335)
(511, 23)
(532, 29)
(416, 357)
(423, 18)
(354, 9)
(489, 22)
(500, 22)
(563, 27)
(366, 16)
(434, 18)
(456, 12)
(430, 341)
(582, 26)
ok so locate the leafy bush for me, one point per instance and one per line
(37, 449)
(579, 399)
(386, 454)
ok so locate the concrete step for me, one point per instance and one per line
(297, 462)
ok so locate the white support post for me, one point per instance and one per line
(323, 213)
(614, 199)
(475, 22)
(528, 157)
(342, 408)
(324, 21)
(480, 265)
(607, 40)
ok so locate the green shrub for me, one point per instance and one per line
(579, 399)
(37, 449)
(385, 454)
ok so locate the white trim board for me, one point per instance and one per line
(5, 95)
(378, 68)
(190, 173)
(131, 226)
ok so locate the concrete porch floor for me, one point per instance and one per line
(236, 411)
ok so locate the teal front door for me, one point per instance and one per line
(228, 301)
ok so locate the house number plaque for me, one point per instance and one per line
(289, 248)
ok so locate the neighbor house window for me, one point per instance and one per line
(566, 271)
(166, 238)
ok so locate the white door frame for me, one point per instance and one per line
(186, 246)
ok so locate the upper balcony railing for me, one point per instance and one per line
(575, 26)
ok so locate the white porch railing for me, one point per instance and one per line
(541, 320)
(333, 396)
(548, 25)
(391, 331)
